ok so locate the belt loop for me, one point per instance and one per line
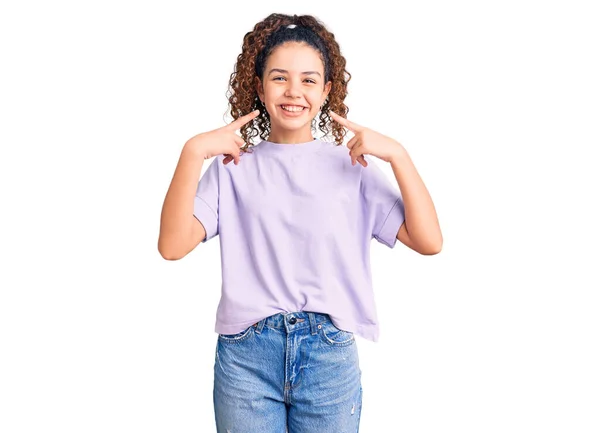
(259, 325)
(313, 323)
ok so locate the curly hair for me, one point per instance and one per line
(258, 45)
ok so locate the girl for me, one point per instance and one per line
(295, 215)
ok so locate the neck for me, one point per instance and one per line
(290, 137)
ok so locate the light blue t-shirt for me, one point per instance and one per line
(295, 222)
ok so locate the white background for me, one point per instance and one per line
(497, 104)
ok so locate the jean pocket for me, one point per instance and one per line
(334, 336)
(238, 337)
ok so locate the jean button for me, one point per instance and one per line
(292, 320)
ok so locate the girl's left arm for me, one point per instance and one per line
(421, 229)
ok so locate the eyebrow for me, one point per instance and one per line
(283, 71)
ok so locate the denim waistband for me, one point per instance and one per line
(293, 321)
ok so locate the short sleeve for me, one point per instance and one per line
(206, 201)
(383, 204)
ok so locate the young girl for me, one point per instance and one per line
(295, 215)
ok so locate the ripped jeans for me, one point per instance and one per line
(291, 372)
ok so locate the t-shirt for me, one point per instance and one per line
(295, 223)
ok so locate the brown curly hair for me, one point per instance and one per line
(258, 45)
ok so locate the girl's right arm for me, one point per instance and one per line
(180, 231)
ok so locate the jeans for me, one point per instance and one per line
(290, 372)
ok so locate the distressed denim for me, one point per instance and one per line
(291, 372)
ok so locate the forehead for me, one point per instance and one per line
(295, 57)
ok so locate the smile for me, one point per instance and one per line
(292, 108)
(292, 111)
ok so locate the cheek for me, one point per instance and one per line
(315, 101)
(316, 106)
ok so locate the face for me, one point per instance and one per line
(293, 89)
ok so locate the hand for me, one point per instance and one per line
(368, 142)
(223, 140)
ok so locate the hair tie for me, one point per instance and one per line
(291, 26)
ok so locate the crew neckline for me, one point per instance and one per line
(285, 147)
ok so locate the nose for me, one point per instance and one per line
(293, 90)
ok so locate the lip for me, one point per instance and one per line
(292, 114)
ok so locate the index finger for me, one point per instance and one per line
(241, 121)
(344, 122)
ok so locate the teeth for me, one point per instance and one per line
(290, 108)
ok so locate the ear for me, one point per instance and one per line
(260, 90)
(326, 91)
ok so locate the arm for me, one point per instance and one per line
(420, 230)
(180, 231)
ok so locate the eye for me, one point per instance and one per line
(308, 79)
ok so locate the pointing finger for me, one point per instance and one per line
(345, 122)
(241, 121)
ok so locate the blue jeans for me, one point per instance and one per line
(290, 372)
